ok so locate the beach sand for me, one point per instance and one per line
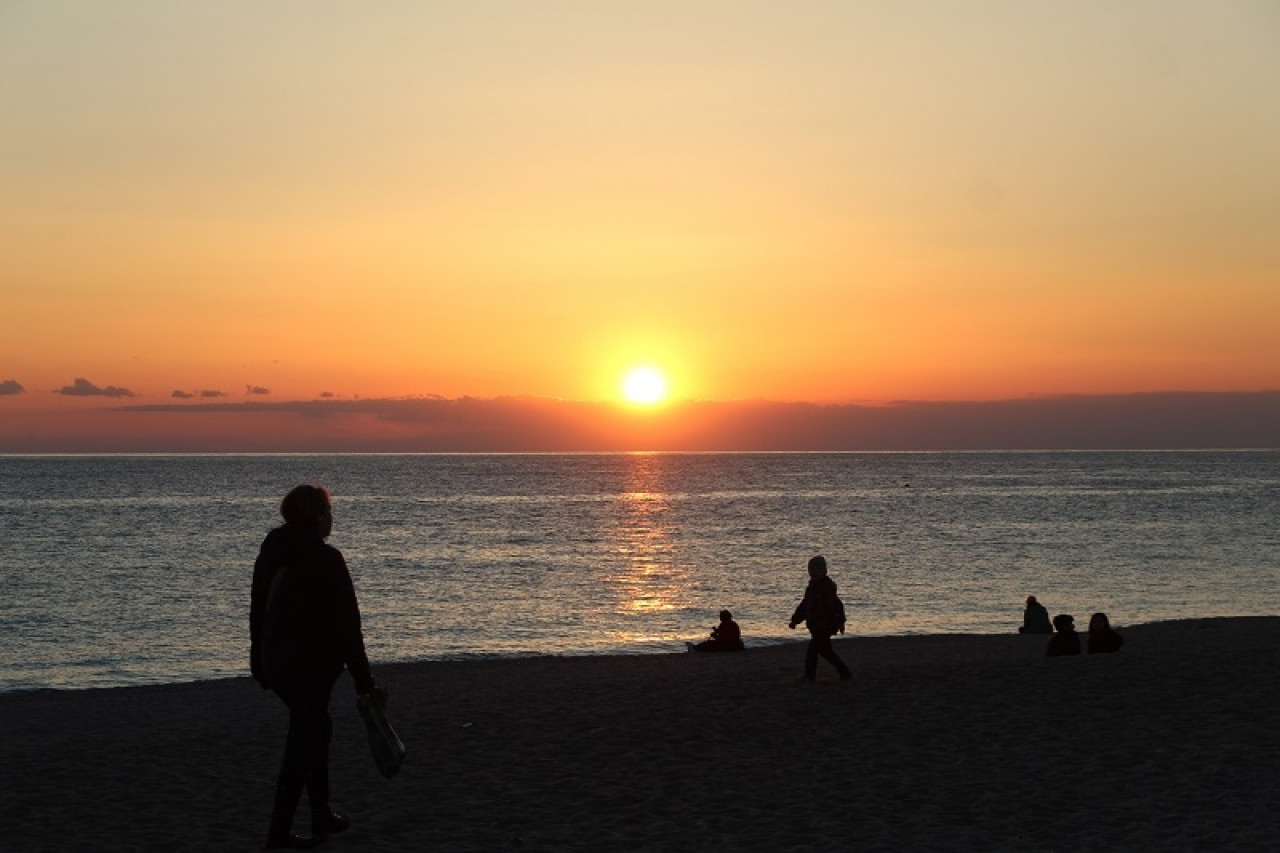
(941, 743)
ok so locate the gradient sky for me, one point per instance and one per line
(832, 202)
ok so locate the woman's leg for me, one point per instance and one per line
(306, 753)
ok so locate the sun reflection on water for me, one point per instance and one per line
(646, 572)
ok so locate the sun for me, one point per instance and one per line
(644, 386)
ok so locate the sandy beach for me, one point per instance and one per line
(940, 743)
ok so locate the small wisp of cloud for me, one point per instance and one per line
(203, 395)
(84, 388)
(256, 390)
(10, 386)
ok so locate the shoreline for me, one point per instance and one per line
(945, 742)
(671, 648)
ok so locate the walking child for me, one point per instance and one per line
(822, 611)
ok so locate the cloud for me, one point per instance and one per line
(10, 386)
(326, 395)
(85, 388)
(203, 395)
(256, 390)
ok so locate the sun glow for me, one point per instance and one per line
(644, 386)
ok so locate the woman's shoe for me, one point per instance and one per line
(328, 824)
(292, 842)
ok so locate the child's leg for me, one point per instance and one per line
(811, 659)
(834, 659)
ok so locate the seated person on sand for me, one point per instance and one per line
(725, 637)
(1102, 637)
(1066, 641)
(1035, 619)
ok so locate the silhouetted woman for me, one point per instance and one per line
(304, 627)
(1103, 639)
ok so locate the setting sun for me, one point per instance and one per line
(644, 386)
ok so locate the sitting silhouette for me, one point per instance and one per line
(1035, 619)
(1103, 639)
(725, 637)
(1066, 641)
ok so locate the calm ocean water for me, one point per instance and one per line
(135, 569)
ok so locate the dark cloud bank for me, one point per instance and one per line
(1155, 421)
(85, 388)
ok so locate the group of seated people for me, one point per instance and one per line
(1102, 638)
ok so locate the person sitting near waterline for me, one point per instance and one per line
(1035, 619)
(1103, 639)
(725, 637)
(1066, 641)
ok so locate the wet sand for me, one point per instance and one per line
(940, 743)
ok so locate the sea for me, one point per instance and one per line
(135, 569)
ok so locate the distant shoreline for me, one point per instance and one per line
(1167, 420)
(178, 454)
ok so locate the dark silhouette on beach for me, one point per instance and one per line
(822, 611)
(1103, 639)
(304, 626)
(725, 637)
(1066, 641)
(1035, 618)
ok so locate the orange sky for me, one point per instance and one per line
(831, 202)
